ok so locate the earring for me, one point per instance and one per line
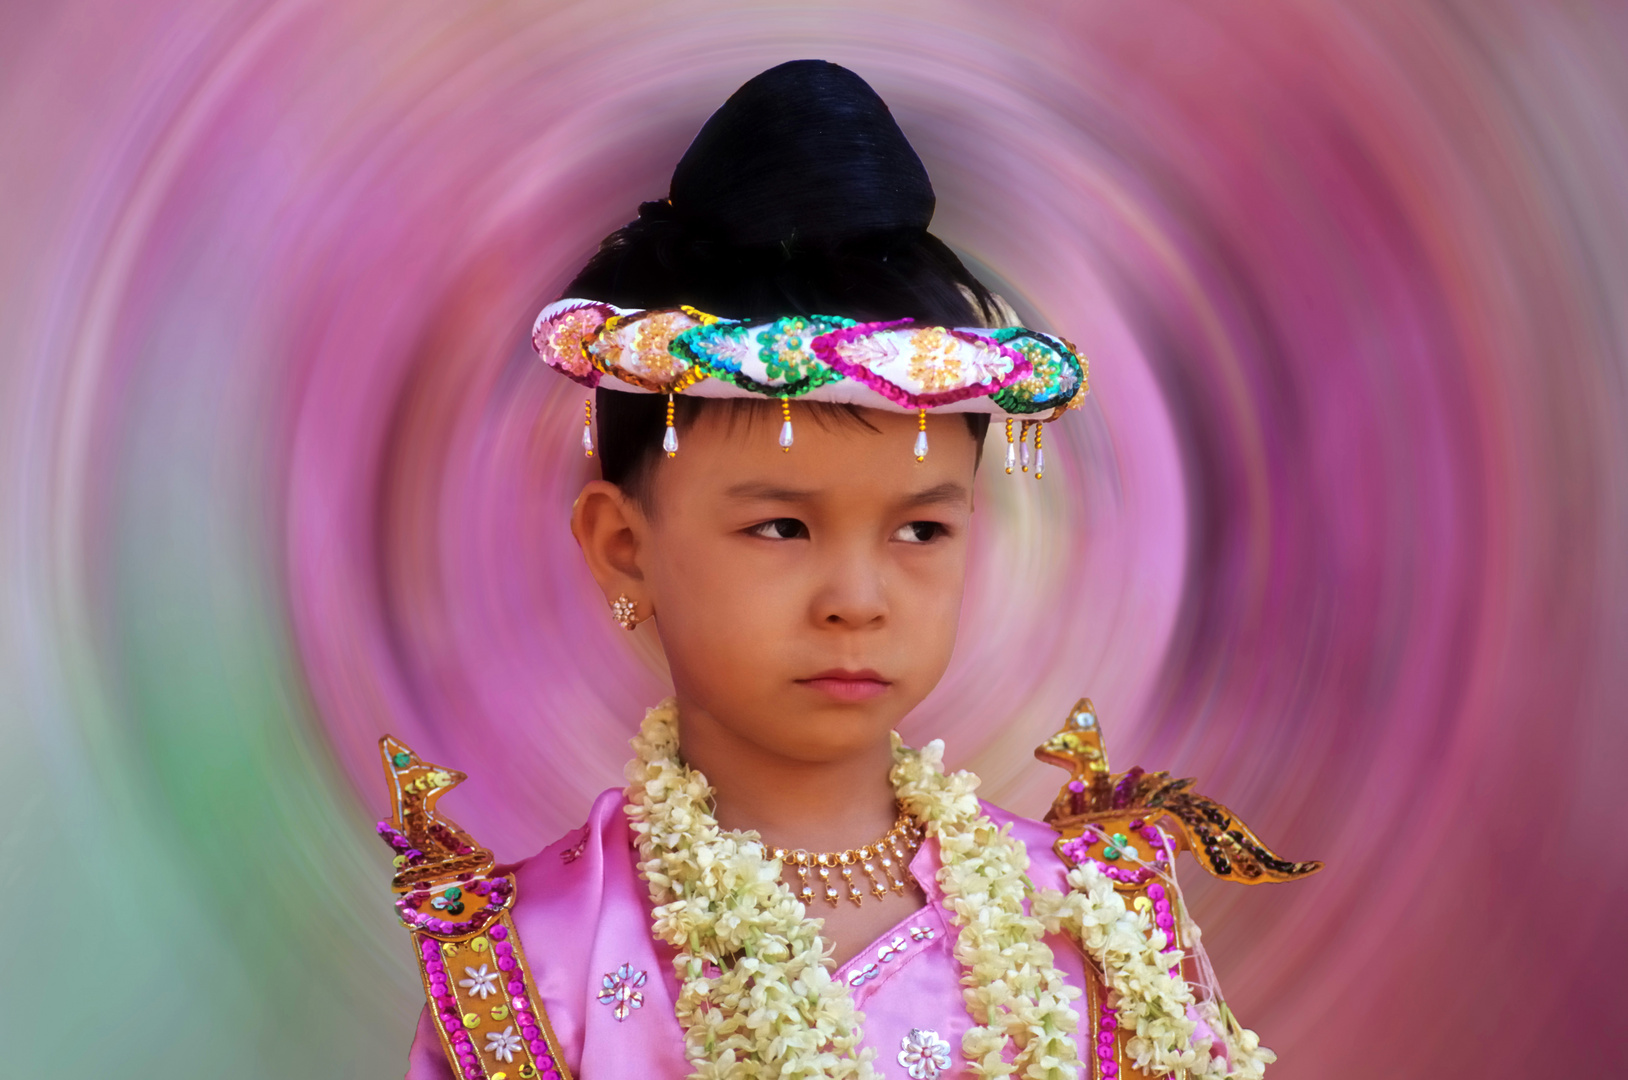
(625, 611)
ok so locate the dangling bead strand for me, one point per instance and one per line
(669, 441)
(1023, 444)
(1039, 454)
(885, 863)
(1011, 448)
(921, 436)
(785, 426)
(587, 427)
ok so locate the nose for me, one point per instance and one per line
(853, 591)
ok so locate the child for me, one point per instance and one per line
(783, 888)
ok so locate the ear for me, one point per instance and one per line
(612, 530)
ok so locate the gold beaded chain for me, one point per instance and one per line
(884, 862)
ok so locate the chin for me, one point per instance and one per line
(834, 730)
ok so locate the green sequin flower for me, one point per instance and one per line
(781, 350)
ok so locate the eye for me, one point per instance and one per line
(780, 529)
(919, 532)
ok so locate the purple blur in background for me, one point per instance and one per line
(1342, 529)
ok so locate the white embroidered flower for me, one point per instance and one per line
(502, 1044)
(481, 982)
(923, 1054)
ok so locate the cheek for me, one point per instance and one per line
(929, 607)
(722, 619)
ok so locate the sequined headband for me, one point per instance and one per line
(898, 366)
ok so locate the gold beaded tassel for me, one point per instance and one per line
(669, 441)
(785, 426)
(921, 436)
(822, 867)
(1023, 444)
(1039, 453)
(845, 866)
(805, 892)
(1011, 448)
(588, 428)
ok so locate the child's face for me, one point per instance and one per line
(806, 601)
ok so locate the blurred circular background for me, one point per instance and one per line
(1342, 530)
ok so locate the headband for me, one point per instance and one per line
(897, 366)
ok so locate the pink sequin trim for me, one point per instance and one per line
(561, 332)
(825, 347)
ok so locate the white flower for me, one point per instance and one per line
(481, 982)
(502, 1044)
(923, 1054)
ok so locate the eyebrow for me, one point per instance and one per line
(947, 492)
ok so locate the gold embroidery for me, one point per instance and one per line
(651, 341)
(935, 359)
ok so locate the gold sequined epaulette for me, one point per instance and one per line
(476, 978)
(1100, 814)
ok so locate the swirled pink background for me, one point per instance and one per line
(1342, 530)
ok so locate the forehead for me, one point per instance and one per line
(861, 460)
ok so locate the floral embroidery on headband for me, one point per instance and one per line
(893, 364)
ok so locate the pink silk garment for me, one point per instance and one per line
(583, 915)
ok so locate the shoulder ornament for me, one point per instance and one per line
(476, 977)
(1118, 834)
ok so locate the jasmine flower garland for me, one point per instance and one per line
(1014, 991)
(1130, 951)
(773, 1011)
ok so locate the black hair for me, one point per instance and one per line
(800, 195)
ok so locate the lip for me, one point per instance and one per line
(846, 685)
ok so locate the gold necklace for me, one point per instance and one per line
(884, 862)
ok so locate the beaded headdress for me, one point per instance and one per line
(899, 366)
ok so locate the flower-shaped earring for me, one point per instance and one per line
(625, 611)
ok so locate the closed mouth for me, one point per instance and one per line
(845, 685)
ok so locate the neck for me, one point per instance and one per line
(814, 805)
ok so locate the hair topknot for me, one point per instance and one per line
(806, 151)
(799, 195)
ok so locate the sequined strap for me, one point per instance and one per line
(479, 985)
